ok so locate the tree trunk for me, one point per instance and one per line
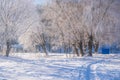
(96, 47)
(90, 44)
(76, 50)
(81, 48)
(8, 48)
(49, 47)
(44, 49)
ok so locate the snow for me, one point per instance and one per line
(24, 66)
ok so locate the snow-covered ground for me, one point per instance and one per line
(57, 67)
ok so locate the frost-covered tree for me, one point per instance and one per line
(40, 36)
(15, 19)
(66, 17)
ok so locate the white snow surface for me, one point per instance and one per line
(33, 66)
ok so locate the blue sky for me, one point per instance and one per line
(40, 1)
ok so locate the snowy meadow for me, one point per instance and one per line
(29, 66)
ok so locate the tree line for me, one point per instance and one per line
(80, 26)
